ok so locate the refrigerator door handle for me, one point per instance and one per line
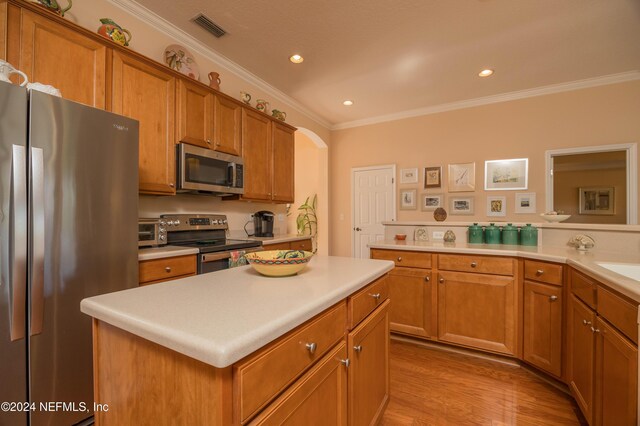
(18, 272)
(37, 267)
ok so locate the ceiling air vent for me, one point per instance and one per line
(209, 25)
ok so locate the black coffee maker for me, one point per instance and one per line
(263, 223)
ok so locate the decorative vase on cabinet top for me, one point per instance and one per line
(53, 6)
(476, 234)
(109, 29)
(214, 81)
(529, 235)
(492, 234)
(510, 235)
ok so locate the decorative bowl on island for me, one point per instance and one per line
(554, 218)
(279, 263)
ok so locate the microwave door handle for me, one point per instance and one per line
(18, 243)
(231, 172)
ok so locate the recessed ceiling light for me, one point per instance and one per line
(485, 73)
(296, 59)
(347, 103)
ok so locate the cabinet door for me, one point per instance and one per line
(228, 116)
(256, 143)
(543, 326)
(581, 358)
(318, 398)
(147, 94)
(283, 164)
(412, 296)
(50, 53)
(478, 310)
(368, 349)
(616, 378)
(194, 115)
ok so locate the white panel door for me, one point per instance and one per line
(373, 203)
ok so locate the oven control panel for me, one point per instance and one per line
(195, 222)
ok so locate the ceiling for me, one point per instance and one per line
(395, 56)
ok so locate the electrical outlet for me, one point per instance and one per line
(280, 217)
(438, 235)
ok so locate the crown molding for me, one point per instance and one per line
(487, 100)
(133, 8)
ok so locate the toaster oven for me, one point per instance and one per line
(151, 232)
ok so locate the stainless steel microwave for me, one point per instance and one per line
(204, 170)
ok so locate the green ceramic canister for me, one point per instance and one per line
(529, 235)
(492, 234)
(510, 234)
(476, 234)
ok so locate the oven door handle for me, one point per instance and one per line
(212, 257)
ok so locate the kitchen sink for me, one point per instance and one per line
(629, 270)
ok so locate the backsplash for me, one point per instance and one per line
(238, 212)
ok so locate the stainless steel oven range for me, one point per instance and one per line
(207, 233)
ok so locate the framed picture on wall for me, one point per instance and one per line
(408, 199)
(496, 206)
(501, 175)
(462, 177)
(525, 202)
(461, 205)
(409, 175)
(431, 202)
(598, 200)
(432, 177)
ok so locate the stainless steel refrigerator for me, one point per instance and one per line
(68, 230)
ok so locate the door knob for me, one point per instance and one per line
(357, 229)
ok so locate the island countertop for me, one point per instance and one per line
(220, 318)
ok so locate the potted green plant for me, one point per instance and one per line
(307, 221)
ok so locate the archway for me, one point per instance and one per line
(311, 177)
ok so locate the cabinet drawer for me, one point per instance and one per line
(262, 376)
(166, 269)
(550, 273)
(584, 288)
(618, 312)
(409, 259)
(366, 300)
(277, 246)
(301, 245)
(479, 264)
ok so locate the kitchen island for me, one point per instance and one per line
(235, 347)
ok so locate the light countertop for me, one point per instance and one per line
(220, 318)
(164, 251)
(583, 261)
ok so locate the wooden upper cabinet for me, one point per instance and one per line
(256, 144)
(227, 126)
(51, 53)
(147, 94)
(194, 114)
(283, 163)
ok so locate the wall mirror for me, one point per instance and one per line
(596, 184)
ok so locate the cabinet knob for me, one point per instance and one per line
(585, 322)
(168, 269)
(427, 278)
(171, 185)
(311, 347)
(399, 259)
(208, 141)
(217, 143)
(358, 348)
(539, 272)
(553, 298)
(595, 330)
(375, 296)
(441, 280)
(474, 264)
(346, 362)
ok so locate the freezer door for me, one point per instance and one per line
(83, 221)
(13, 250)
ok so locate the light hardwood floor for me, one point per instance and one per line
(434, 387)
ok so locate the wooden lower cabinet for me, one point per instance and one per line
(543, 326)
(369, 368)
(581, 347)
(412, 295)
(306, 245)
(318, 398)
(166, 269)
(478, 310)
(616, 390)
